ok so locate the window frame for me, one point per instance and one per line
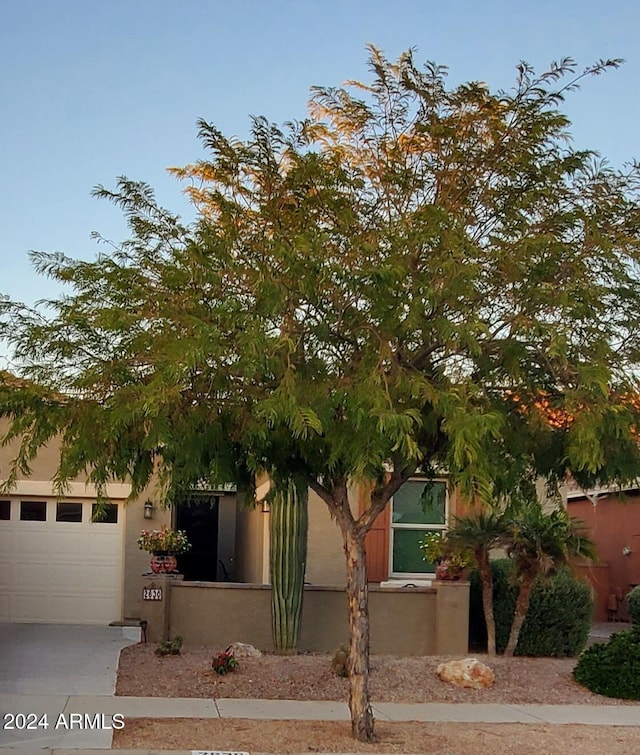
(60, 506)
(24, 502)
(393, 526)
(109, 508)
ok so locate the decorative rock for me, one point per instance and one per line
(467, 673)
(243, 650)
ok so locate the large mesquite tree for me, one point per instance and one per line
(395, 282)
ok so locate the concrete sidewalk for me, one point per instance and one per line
(71, 719)
(88, 706)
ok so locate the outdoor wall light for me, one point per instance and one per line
(148, 510)
(626, 551)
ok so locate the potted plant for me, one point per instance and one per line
(164, 545)
(450, 562)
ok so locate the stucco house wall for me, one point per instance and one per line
(613, 523)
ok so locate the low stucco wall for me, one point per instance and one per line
(404, 621)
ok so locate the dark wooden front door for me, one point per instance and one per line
(198, 517)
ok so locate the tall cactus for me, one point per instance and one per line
(288, 557)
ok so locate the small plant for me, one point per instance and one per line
(340, 661)
(163, 540)
(436, 549)
(224, 663)
(170, 647)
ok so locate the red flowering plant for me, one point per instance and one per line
(224, 663)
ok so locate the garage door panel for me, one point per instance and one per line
(61, 572)
(24, 606)
(35, 543)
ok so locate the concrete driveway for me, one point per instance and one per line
(59, 659)
(42, 665)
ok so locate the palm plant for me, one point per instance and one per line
(480, 532)
(540, 541)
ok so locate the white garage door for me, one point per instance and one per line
(56, 565)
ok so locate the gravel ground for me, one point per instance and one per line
(309, 677)
(285, 737)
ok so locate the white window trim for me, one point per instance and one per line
(413, 576)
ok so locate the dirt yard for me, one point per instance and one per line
(309, 677)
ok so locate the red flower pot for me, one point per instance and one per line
(163, 563)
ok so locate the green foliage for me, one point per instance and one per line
(224, 663)
(504, 600)
(395, 280)
(633, 603)
(479, 531)
(541, 539)
(558, 619)
(436, 548)
(612, 668)
(169, 647)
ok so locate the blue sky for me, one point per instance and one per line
(91, 90)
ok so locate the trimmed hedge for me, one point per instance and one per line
(633, 603)
(612, 668)
(558, 621)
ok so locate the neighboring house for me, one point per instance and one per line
(612, 518)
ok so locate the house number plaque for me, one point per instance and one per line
(151, 593)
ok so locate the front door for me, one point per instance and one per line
(198, 517)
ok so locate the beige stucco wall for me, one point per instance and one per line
(43, 467)
(252, 531)
(136, 561)
(325, 556)
(421, 621)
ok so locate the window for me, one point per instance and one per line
(68, 512)
(33, 511)
(5, 510)
(104, 513)
(420, 506)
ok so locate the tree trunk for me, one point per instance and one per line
(357, 593)
(486, 582)
(353, 534)
(522, 606)
(287, 561)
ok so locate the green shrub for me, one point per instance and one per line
(612, 668)
(504, 603)
(557, 622)
(633, 603)
(169, 647)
